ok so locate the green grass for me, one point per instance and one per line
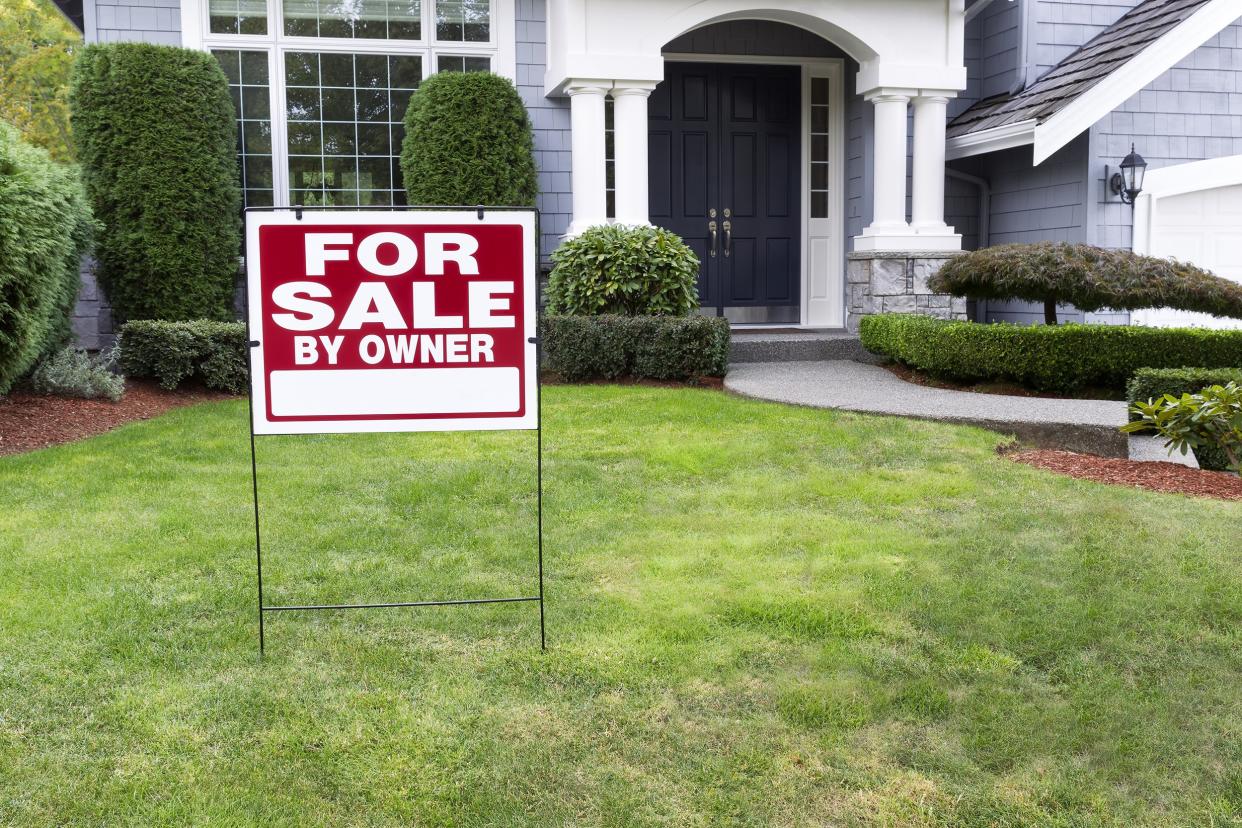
(758, 615)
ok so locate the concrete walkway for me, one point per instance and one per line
(1077, 425)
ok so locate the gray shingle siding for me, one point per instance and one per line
(999, 47)
(550, 119)
(1061, 26)
(1190, 113)
(148, 21)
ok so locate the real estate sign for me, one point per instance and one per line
(391, 321)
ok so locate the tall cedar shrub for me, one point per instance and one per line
(468, 141)
(45, 227)
(1090, 278)
(155, 133)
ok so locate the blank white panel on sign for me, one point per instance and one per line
(395, 391)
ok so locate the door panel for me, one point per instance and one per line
(728, 137)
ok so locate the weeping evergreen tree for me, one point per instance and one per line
(155, 132)
(468, 141)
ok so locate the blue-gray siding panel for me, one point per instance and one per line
(550, 119)
(149, 21)
(1061, 26)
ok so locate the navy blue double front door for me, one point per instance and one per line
(725, 156)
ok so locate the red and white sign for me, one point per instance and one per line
(392, 321)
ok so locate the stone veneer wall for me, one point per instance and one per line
(897, 283)
(92, 314)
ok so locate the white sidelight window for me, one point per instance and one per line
(321, 87)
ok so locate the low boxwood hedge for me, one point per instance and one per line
(1060, 358)
(578, 348)
(1153, 383)
(213, 353)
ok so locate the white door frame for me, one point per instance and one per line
(822, 295)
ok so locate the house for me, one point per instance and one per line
(823, 157)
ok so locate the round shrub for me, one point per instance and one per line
(631, 271)
(468, 141)
(45, 227)
(1090, 278)
(155, 132)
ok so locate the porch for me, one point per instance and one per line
(790, 148)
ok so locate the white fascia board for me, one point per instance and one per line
(1017, 134)
(1193, 176)
(1149, 64)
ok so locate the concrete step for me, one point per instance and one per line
(795, 345)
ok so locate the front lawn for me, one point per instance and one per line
(757, 615)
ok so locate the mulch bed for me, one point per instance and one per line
(1154, 476)
(32, 421)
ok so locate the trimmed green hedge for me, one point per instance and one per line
(468, 141)
(155, 133)
(45, 227)
(211, 352)
(635, 271)
(1060, 358)
(579, 348)
(1153, 383)
(1088, 277)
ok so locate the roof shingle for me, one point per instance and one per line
(1099, 57)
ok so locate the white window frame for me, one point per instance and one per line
(196, 34)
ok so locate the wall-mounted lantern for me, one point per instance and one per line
(1128, 183)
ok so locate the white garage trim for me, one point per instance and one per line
(1179, 180)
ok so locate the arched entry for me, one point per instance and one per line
(746, 160)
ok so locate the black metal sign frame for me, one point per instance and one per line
(253, 343)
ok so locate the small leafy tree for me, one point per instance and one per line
(468, 141)
(1210, 419)
(630, 271)
(1090, 278)
(36, 56)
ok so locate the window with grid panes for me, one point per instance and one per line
(339, 131)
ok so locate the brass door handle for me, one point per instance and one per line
(728, 230)
(711, 226)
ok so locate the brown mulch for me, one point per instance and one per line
(1154, 476)
(32, 421)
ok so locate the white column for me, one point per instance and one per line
(629, 122)
(927, 209)
(889, 165)
(589, 180)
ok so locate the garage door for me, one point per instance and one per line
(1204, 228)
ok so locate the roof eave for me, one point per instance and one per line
(1119, 86)
(1005, 136)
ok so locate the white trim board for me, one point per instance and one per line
(822, 299)
(1112, 91)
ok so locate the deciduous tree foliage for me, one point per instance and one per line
(468, 141)
(1090, 278)
(45, 227)
(37, 45)
(155, 133)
